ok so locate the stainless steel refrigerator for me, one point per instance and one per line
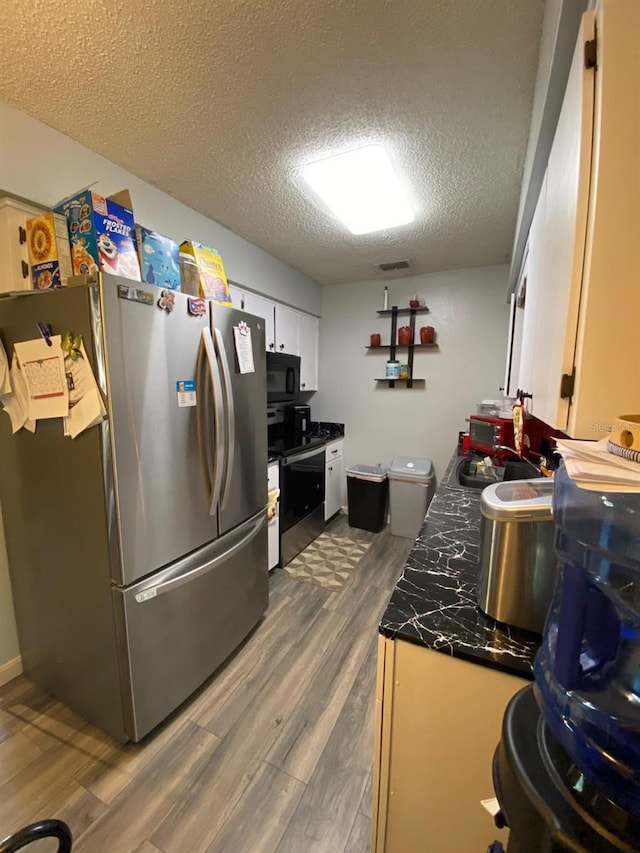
(138, 550)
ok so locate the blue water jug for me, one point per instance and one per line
(587, 672)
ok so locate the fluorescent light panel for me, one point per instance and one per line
(362, 189)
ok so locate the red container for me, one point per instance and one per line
(375, 340)
(405, 336)
(427, 335)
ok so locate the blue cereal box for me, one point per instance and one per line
(159, 259)
(101, 233)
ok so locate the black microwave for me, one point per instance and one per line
(283, 377)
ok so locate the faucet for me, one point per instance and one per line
(522, 458)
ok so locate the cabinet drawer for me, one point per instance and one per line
(333, 450)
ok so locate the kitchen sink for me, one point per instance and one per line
(460, 476)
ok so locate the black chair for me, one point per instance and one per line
(35, 831)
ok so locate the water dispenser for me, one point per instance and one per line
(587, 672)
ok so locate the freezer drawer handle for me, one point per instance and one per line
(231, 418)
(174, 583)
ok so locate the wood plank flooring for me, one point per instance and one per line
(272, 755)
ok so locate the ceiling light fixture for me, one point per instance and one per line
(362, 188)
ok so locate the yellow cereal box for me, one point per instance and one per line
(49, 253)
(205, 276)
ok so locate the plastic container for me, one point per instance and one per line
(588, 668)
(410, 491)
(367, 492)
(393, 370)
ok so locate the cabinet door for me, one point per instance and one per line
(308, 351)
(274, 523)
(533, 288)
(286, 330)
(333, 488)
(561, 236)
(261, 307)
(237, 297)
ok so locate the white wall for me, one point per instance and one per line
(41, 164)
(470, 316)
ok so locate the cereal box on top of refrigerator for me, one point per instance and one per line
(159, 258)
(205, 277)
(48, 247)
(101, 233)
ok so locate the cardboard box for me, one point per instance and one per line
(159, 258)
(203, 272)
(49, 252)
(101, 233)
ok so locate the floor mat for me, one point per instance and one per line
(328, 560)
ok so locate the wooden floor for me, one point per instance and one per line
(272, 755)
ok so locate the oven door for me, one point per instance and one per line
(283, 377)
(301, 486)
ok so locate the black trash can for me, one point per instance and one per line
(367, 492)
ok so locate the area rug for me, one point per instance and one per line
(327, 561)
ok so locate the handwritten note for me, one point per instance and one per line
(244, 347)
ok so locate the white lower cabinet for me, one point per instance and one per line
(333, 479)
(273, 482)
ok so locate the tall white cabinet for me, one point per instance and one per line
(579, 350)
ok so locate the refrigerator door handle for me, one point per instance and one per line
(203, 416)
(215, 436)
(230, 417)
(169, 585)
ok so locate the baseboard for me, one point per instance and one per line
(10, 669)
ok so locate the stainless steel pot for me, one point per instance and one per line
(517, 559)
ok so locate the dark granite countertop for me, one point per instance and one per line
(434, 601)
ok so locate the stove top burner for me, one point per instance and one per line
(289, 444)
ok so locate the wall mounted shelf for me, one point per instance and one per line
(388, 312)
(394, 313)
(392, 381)
(406, 346)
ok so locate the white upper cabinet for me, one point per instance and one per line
(556, 248)
(579, 348)
(286, 330)
(237, 296)
(308, 333)
(260, 307)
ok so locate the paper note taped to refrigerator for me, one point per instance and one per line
(16, 402)
(5, 380)
(42, 366)
(86, 408)
(244, 347)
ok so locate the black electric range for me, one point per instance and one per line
(288, 445)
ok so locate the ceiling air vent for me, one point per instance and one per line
(394, 265)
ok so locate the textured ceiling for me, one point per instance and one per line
(220, 103)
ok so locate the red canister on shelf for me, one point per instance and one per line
(427, 335)
(405, 336)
